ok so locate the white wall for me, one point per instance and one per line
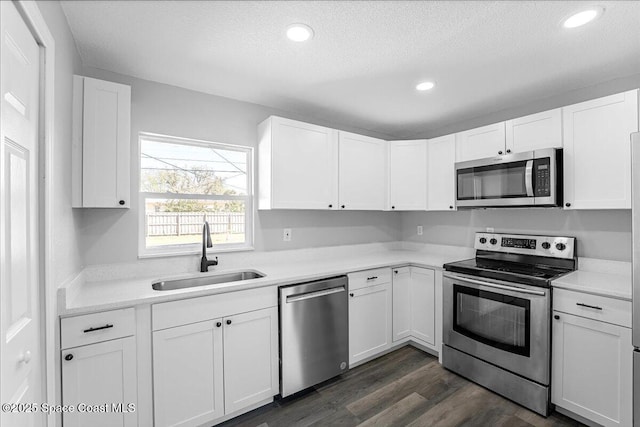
(109, 236)
(602, 234)
(66, 254)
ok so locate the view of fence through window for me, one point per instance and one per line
(185, 182)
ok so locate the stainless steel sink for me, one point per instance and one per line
(170, 285)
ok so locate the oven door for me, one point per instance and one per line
(502, 323)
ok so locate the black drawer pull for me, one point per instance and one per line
(588, 306)
(372, 278)
(107, 326)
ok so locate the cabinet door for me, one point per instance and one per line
(99, 374)
(250, 358)
(441, 159)
(105, 144)
(423, 313)
(369, 322)
(534, 132)
(486, 141)
(408, 175)
(592, 369)
(597, 154)
(303, 166)
(401, 303)
(362, 177)
(187, 374)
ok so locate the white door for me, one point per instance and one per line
(20, 347)
(423, 312)
(597, 151)
(485, 141)
(401, 303)
(441, 159)
(304, 165)
(188, 374)
(369, 321)
(98, 374)
(592, 369)
(534, 132)
(408, 175)
(250, 358)
(362, 177)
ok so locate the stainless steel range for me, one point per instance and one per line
(497, 314)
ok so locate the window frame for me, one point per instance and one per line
(191, 249)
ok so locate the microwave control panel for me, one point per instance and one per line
(542, 177)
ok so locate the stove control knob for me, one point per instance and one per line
(493, 241)
(546, 245)
(561, 246)
(483, 240)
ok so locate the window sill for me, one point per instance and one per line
(193, 252)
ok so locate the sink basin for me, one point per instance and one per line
(170, 285)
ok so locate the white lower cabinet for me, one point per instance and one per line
(101, 375)
(592, 368)
(207, 370)
(414, 305)
(370, 311)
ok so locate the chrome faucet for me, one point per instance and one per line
(206, 243)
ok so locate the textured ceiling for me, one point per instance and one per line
(362, 66)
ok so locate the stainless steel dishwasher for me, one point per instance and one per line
(314, 333)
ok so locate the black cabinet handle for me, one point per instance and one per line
(342, 206)
(372, 278)
(556, 317)
(107, 326)
(218, 324)
(500, 152)
(395, 271)
(589, 306)
(68, 357)
(121, 202)
(330, 206)
(567, 204)
(393, 207)
(228, 321)
(351, 294)
(450, 207)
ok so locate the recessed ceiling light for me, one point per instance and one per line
(583, 17)
(425, 86)
(299, 32)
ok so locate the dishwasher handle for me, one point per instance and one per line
(316, 294)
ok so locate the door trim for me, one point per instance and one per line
(49, 327)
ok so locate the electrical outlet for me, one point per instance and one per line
(286, 235)
(419, 230)
(490, 230)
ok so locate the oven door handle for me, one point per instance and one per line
(497, 286)
(528, 178)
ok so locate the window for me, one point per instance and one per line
(184, 182)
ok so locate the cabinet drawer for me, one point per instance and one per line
(595, 307)
(362, 279)
(183, 312)
(97, 327)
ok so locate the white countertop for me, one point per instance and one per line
(83, 295)
(599, 277)
(100, 288)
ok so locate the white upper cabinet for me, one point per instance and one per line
(485, 141)
(441, 173)
(363, 172)
(597, 154)
(298, 165)
(101, 144)
(534, 132)
(408, 175)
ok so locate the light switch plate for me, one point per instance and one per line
(286, 235)
(420, 230)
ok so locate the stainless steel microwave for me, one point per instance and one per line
(532, 178)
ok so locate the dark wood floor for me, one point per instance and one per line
(403, 388)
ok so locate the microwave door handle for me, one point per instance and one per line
(528, 178)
